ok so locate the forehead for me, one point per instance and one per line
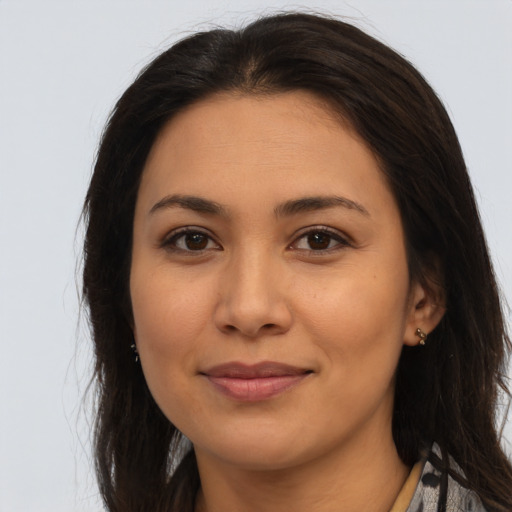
(230, 120)
(262, 147)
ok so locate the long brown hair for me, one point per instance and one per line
(447, 392)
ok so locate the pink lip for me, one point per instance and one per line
(252, 383)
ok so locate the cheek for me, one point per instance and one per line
(358, 312)
(168, 320)
(359, 331)
(167, 310)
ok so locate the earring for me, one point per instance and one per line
(422, 336)
(134, 350)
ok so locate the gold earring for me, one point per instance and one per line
(422, 335)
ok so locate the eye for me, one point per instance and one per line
(190, 240)
(320, 239)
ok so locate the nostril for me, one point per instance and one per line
(269, 326)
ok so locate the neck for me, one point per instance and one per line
(363, 476)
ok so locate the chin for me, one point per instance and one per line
(266, 458)
(260, 448)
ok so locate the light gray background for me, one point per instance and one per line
(62, 66)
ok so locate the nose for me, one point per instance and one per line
(252, 298)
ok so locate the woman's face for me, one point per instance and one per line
(269, 282)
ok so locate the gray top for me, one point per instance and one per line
(431, 490)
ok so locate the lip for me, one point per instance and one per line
(256, 382)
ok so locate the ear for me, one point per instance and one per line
(425, 310)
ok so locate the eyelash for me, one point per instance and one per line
(341, 241)
(170, 243)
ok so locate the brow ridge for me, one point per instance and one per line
(288, 208)
(197, 204)
(307, 204)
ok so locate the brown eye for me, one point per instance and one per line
(189, 241)
(195, 241)
(319, 241)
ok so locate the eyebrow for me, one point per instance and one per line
(308, 204)
(197, 204)
(286, 209)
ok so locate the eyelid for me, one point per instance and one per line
(175, 234)
(342, 238)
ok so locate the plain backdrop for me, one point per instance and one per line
(62, 66)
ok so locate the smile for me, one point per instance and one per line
(253, 383)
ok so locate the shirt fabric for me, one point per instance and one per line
(435, 489)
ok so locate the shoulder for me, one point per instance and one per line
(436, 490)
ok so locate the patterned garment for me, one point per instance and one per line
(435, 490)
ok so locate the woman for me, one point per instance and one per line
(280, 234)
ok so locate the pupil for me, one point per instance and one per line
(318, 241)
(196, 241)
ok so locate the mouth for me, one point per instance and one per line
(253, 383)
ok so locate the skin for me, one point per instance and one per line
(324, 289)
